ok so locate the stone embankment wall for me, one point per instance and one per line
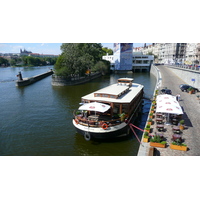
(144, 148)
(188, 76)
(63, 81)
(156, 72)
(31, 80)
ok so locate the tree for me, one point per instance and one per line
(151, 53)
(3, 61)
(102, 66)
(106, 50)
(77, 58)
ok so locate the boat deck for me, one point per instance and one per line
(116, 89)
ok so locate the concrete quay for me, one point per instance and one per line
(191, 109)
(27, 81)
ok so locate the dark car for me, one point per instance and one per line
(166, 91)
(185, 87)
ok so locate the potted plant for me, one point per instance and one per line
(148, 128)
(152, 110)
(158, 141)
(191, 90)
(122, 116)
(149, 121)
(151, 115)
(146, 137)
(178, 145)
(181, 124)
(153, 103)
(156, 92)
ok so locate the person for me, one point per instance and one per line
(178, 96)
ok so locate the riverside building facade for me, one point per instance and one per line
(174, 53)
(124, 59)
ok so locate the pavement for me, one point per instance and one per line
(191, 108)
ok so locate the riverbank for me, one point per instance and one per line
(191, 108)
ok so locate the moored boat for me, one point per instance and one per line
(106, 113)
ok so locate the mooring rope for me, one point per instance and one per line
(135, 134)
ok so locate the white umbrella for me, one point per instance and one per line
(169, 108)
(168, 104)
(95, 106)
(165, 97)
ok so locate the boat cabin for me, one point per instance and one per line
(123, 98)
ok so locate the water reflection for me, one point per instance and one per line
(37, 119)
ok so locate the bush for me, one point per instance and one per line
(148, 126)
(146, 135)
(157, 139)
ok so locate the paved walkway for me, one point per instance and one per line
(191, 108)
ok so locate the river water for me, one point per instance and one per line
(36, 120)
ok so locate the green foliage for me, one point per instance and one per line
(101, 66)
(190, 89)
(157, 139)
(37, 61)
(182, 122)
(77, 58)
(146, 135)
(148, 126)
(106, 50)
(3, 62)
(178, 142)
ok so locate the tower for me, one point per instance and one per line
(123, 57)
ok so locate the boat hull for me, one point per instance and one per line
(100, 133)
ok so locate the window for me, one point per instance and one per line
(104, 95)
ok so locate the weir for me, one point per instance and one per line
(31, 80)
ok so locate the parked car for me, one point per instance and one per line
(185, 87)
(180, 86)
(166, 91)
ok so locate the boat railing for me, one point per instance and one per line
(85, 121)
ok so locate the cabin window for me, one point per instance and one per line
(104, 95)
(125, 108)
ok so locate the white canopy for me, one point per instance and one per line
(169, 108)
(95, 106)
(165, 97)
(168, 104)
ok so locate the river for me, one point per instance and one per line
(36, 120)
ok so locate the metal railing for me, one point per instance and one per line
(193, 68)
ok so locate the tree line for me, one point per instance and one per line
(81, 59)
(27, 61)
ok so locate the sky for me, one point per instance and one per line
(43, 48)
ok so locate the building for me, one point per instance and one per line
(191, 56)
(138, 62)
(141, 62)
(123, 56)
(109, 58)
(168, 53)
(24, 52)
